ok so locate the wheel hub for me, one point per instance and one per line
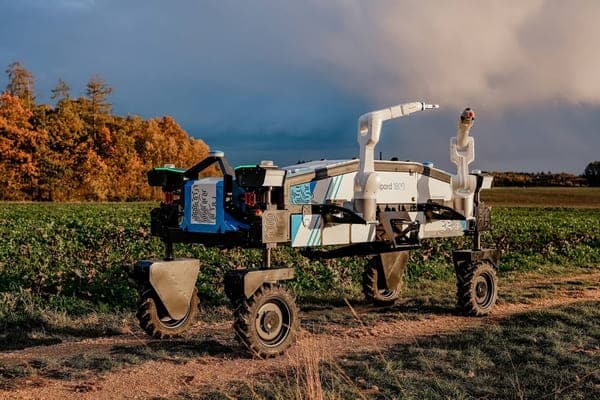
(269, 322)
(482, 290)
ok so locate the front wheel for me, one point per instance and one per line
(267, 322)
(477, 289)
(155, 320)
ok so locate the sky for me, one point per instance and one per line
(287, 80)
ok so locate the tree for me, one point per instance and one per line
(592, 173)
(21, 83)
(61, 91)
(96, 91)
(19, 145)
(79, 150)
(67, 148)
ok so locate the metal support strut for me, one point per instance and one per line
(476, 233)
(267, 255)
(482, 217)
(169, 256)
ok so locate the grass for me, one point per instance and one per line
(538, 355)
(541, 354)
(584, 197)
(427, 369)
(30, 323)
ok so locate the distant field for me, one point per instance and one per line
(584, 197)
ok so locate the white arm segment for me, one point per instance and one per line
(462, 153)
(369, 129)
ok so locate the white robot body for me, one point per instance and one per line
(386, 192)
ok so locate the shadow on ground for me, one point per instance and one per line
(97, 360)
(28, 331)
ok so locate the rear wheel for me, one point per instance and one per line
(477, 289)
(267, 322)
(155, 320)
(374, 286)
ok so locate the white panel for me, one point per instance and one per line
(432, 189)
(274, 178)
(439, 189)
(487, 182)
(336, 234)
(397, 187)
(339, 187)
(443, 228)
(343, 188)
(362, 233)
(309, 232)
(321, 190)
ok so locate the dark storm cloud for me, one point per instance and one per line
(287, 80)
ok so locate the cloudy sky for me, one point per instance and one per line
(287, 80)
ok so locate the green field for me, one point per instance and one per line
(75, 257)
(584, 197)
(63, 278)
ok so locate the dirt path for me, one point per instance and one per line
(224, 360)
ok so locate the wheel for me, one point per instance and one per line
(374, 287)
(155, 320)
(477, 289)
(267, 322)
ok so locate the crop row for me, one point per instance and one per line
(76, 256)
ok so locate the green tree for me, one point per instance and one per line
(21, 83)
(592, 173)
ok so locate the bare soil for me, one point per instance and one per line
(209, 354)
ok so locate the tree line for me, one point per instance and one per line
(77, 149)
(539, 179)
(590, 177)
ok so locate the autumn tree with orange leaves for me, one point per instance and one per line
(19, 145)
(77, 150)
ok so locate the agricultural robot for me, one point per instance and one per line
(329, 209)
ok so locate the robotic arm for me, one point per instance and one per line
(462, 153)
(369, 129)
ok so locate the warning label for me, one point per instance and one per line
(204, 210)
